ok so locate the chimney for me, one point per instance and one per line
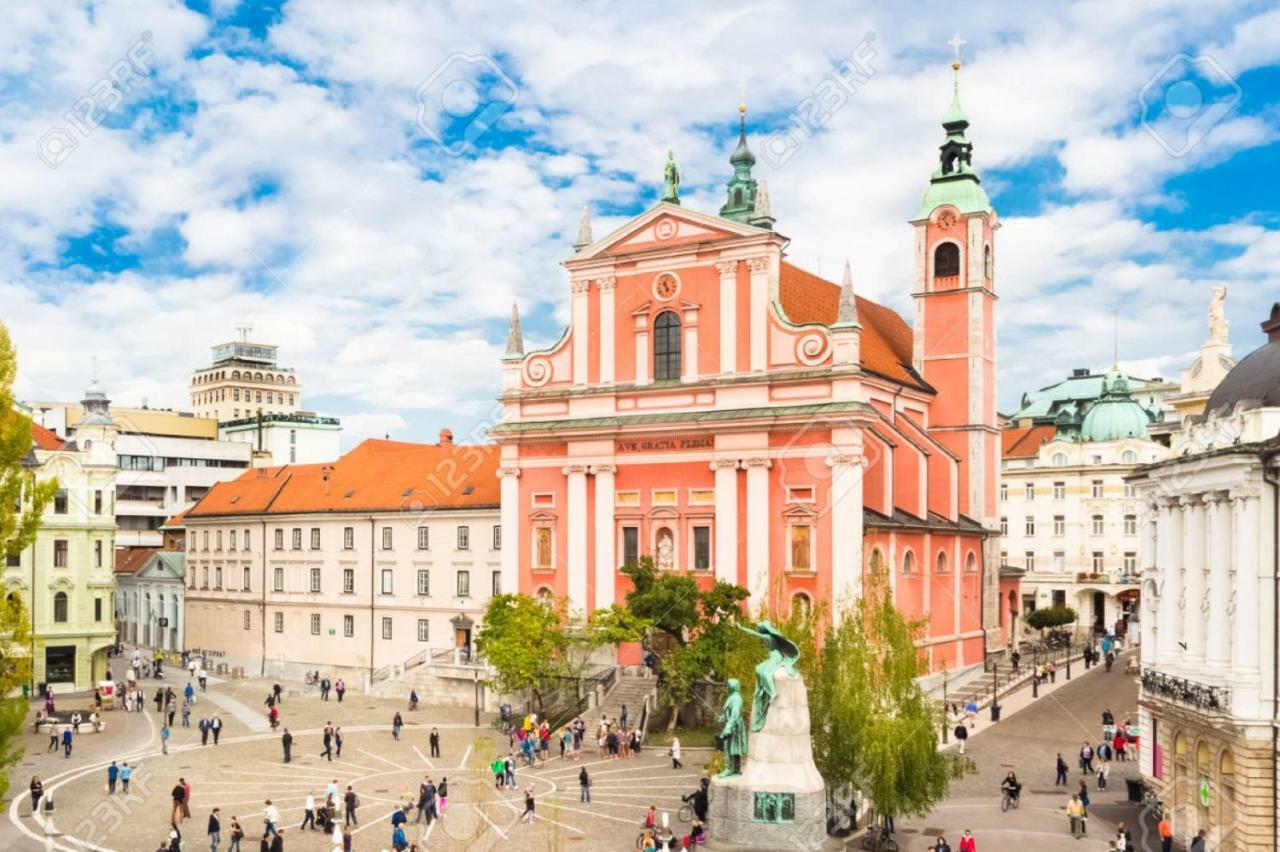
(446, 437)
(1272, 325)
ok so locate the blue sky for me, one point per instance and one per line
(371, 185)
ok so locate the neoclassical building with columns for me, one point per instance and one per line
(733, 416)
(1208, 702)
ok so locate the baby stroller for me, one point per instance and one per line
(325, 819)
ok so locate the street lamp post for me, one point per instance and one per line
(945, 718)
(476, 675)
(1068, 661)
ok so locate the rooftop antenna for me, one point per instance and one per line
(1115, 340)
(244, 329)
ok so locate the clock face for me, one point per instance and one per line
(666, 286)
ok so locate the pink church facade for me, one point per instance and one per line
(735, 417)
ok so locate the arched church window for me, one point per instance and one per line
(60, 607)
(666, 346)
(942, 562)
(971, 562)
(1129, 457)
(1059, 460)
(986, 262)
(801, 605)
(946, 260)
(908, 563)
(876, 565)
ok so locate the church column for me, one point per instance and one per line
(509, 475)
(607, 287)
(759, 267)
(726, 472)
(1218, 554)
(728, 270)
(1169, 564)
(757, 528)
(581, 330)
(1193, 537)
(577, 535)
(846, 529)
(606, 553)
(1245, 601)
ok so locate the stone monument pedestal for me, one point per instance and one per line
(779, 800)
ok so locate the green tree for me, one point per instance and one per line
(604, 628)
(524, 641)
(1050, 617)
(22, 504)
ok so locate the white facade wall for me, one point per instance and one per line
(290, 443)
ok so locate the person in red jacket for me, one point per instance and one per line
(968, 843)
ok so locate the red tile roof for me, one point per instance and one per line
(1024, 441)
(45, 439)
(175, 522)
(130, 559)
(885, 343)
(377, 476)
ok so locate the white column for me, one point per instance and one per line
(1193, 615)
(577, 533)
(757, 528)
(1169, 563)
(606, 553)
(726, 471)
(728, 270)
(581, 331)
(759, 318)
(1147, 611)
(1246, 599)
(607, 355)
(846, 529)
(689, 367)
(642, 349)
(1218, 553)
(511, 538)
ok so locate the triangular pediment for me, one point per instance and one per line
(666, 225)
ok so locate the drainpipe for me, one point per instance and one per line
(263, 671)
(373, 576)
(1271, 478)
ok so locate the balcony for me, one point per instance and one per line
(1188, 693)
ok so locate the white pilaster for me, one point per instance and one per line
(581, 331)
(1169, 563)
(846, 529)
(607, 355)
(726, 472)
(1193, 615)
(606, 553)
(1218, 550)
(510, 517)
(689, 367)
(642, 349)
(577, 533)
(1247, 597)
(759, 319)
(728, 270)
(757, 528)
(1147, 564)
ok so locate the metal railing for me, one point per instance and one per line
(598, 684)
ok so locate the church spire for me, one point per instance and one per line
(848, 311)
(955, 181)
(515, 340)
(584, 231)
(740, 202)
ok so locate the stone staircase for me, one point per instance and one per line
(629, 690)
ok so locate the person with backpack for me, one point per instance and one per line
(962, 736)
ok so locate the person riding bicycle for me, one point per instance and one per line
(698, 799)
(1011, 787)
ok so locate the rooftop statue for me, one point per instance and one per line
(671, 179)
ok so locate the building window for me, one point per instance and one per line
(1130, 524)
(1096, 459)
(497, 536)
(386, 538)
(97, 501)
(279, 539)
(1097, 561)
(940, 566)
(248, 619)
(1004, 491)
(60, 502)
(97, 553)
(1004, 526)
(1130, 562)
(1030, 557)
(348, 581)
(666, 346)
(231, 540)
(204, 577)
(1029, 525)
(348, 626)
(13, 560)
(1059, 490)
(1059, 598)
(424, 583)
(315, 538)
(387, 584)
(946, 260)
(60, 553)
(801, 549)
(1029, 491)
(424, 630)
(348, 538)
(315, 579)
(464, 584)
(246, 540)
(219, 540)
(278, 618)
(245, 584)
(1059, 560)
(701, 548)
(297, 538)
(1059, 460)
(464, 538)
(1129, 457)
(1130, 490)
(542, 548)
(424, 538)
(278, 576)
(97, 609)
(1059, 525)
(496, 588)
(630, 545)
(1095, 488)
(1096, 524)
(204, 540)
(908, 563)
(217, 577)
(315, 624)
(386, 628)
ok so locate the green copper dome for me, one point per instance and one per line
(1116, 414)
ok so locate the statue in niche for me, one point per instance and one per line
(666, 551)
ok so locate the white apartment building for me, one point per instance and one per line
(386, 557)
(1068, 517)
(279, 439)
(150, 585)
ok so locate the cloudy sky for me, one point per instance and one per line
(371, 184)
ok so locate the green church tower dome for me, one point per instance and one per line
(1116, 414)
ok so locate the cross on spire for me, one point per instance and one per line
(956, 43)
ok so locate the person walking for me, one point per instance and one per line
(1086, 759)
(126, 772)
(941, 846)
(967, 842)
(235, 836)
(66, 741)
(1104, 770)
(498, 767)
(1061, 778)
(179, 797)
(164, 739)
(527, 816)
(1198, 843)
(1075, 813)
(396, 724)
(271, 818)
(442, 793)
(324, 689)
(215, 830)
(434, 739)
(309, 813)
(37, 792)
(584, 786)
(337, 741)
(215, 727)
(186, 798)
(352, 801)
(203, 725)
(962, 736)
(1165, 830)
(287, 742)
(1124, 840)
(413, 700)
(113, 773)
(277, 842)
(509, 766)
(675, 753)
(328, 741)
(340, 687)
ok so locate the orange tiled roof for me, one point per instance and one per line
(175, 522)
(885, 344)
(1024, 441)
(130, 559)
(377, 476)
(45, 439)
